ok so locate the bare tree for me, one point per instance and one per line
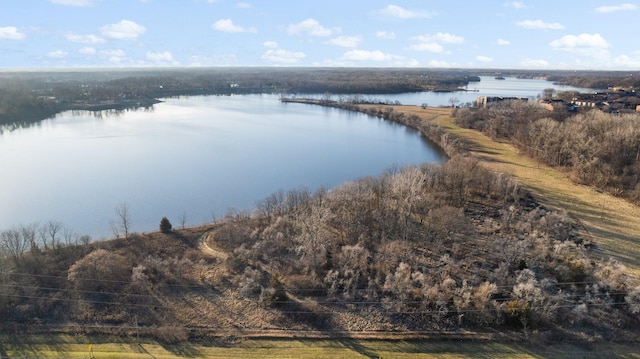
(123, 224)
(548, 93)
(183, 220)
(29, 232)
(49, 234)
(13, 244)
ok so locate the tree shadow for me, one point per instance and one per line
(359, 348)
(299, 313)
(322, 322)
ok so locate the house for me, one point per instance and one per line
(613, 101)
(483, 101)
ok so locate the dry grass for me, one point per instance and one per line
(612, 224)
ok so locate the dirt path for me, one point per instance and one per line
(206, 247)
(613, 224)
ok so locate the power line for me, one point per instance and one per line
(327, 304)
(168, 297)
(9, 274)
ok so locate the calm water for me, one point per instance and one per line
(201, 156)
(196, 155)
(488, 86)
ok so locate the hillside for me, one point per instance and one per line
(611, 223)
(459, 250)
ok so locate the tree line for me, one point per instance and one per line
(26, 98)
(597, 148)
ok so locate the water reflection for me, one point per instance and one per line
(193, 155)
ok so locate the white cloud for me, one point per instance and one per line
(427, 46)
(570, 42)
(244, 5)
(310, 27)
(592, 46)
(484, 58)
(117, 52)
(217, 60)
(402, 13)
(540, 25)
(365, 55)
(115, 56)
(161, 57)
(281, 56)
(346, 41)
(124, 30)
(385, 35)
(436, 63)
(433, 43)
(615, 8)
(516, 5)
(58, 54)
(227, 25)
(534, 64)
(407, 63)
(503, 42)
(85, 39)
(447, 38)
(90, 51)
(73, 2)
(11, 33)
(270, 44)
(627, 61)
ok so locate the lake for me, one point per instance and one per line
(198, 156)
(487, 86)
(201, 156)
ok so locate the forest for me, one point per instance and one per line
(596, 148)
(29, 97)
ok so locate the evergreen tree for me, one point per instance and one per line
(165, 225)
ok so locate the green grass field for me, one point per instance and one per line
(68, 346)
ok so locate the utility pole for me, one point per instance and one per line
(137, 330)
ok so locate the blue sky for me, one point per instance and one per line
(528, 34)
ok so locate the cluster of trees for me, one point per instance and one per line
(17, 242)
(454, 245)
(20, 106)
(598, 80)
(599, 149)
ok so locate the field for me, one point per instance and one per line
(56, 346)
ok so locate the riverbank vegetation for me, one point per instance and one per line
(418, 250)
(597, 149)
(29, 97)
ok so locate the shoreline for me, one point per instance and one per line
(614, 230)
(447, 143)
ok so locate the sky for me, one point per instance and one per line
(528, 34)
